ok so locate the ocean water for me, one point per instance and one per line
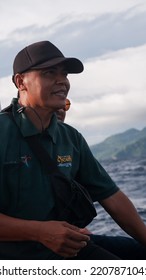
(130, 176)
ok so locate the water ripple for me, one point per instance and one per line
(130, 176)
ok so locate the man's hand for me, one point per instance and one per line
(85, 231)
(62, 238)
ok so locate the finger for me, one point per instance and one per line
(71, 226)
(77, 236)
(76, 245)
(85, 231)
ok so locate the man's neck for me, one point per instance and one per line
(38, 116)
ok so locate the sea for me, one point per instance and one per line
(130, 177)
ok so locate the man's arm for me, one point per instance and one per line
(59, 236)
(121, 209)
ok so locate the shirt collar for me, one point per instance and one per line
(26, 126)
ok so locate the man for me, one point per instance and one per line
(29, 229)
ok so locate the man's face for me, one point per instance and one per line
(47, 88)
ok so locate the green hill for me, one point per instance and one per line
(126, 145)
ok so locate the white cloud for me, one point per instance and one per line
(7, 91)
(109, 96)
(16, 14)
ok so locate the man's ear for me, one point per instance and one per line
(19, 81)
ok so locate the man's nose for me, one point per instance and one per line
(63, 80)
(60, 78)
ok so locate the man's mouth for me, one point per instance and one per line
(60, 93)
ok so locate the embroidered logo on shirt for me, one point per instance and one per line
(25, 159)
(64, 161)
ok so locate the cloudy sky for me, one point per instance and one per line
(109, 36)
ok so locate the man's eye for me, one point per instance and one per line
(53, 72)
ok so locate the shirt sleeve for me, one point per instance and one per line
(93, 176)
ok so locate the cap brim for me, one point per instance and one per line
(73, 65)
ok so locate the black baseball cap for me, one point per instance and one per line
(43, 55)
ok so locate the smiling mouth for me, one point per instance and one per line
(60, 93)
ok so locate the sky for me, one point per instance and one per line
(108, 36)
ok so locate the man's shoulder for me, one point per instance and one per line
(72, 134)
(7, 109)
(5, 116)
(68, 128)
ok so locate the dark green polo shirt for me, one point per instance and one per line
(25, 189)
